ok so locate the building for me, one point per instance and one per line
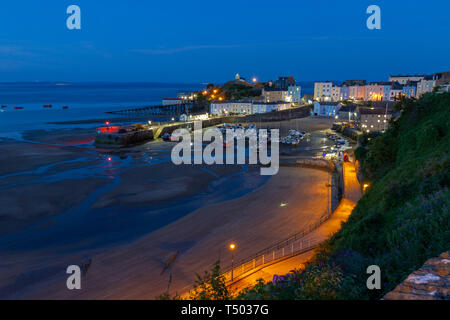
(169, 101)
(308, 98)
(409, 90)
(275, 94)
(396, 92)
(357, 92)
(231, 107)
(264, 107)
(345, 92)
(442, 78)
(348, 112)
(322, 91)
(335, 93)
(350, 83)
(228, 107)
(295, 94)
(285, 82)
(425, 85)
(404, 79)
(444, 88)
(377, 91)
(326, 109)
(373, 119)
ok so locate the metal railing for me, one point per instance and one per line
(289, 247)
(292, 246)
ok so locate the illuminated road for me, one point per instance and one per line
(352, 193)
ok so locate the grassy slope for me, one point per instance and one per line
(401, 221)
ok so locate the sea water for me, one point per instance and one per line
(84, 101)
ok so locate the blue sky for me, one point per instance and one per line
(209, 41)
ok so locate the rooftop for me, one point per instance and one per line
(325, 103)
(348, 108)
(406, 75)
(274, 89)
(368, 110)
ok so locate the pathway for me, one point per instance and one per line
(352, 193)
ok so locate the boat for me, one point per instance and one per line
(65, 107)
(47, 105)
(293, 138)
(18, 108)
(4, 107)
(166, 137)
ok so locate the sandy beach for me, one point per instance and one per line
(128, 210)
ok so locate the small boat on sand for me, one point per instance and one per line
(47, 105)
(65, 107)
(18, 108)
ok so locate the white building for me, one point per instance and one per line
(404, 79)
(395, 94)
(335, 93)
(220, 108)
(327, 109)
(322, 91)
(275, 94)
(264, 107)
(444, 88)
(425, 85)
(295, 94)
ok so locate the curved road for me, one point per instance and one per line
(352, 193)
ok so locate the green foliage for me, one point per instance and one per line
(235, 91)
(210, 285)
(400, 222)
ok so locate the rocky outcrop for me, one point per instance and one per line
(431, 282)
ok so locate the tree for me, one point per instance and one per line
(211, 285)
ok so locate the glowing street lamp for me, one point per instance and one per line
(365, 186)
(254, 80)
(232, 246)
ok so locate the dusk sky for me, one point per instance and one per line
(210, 41)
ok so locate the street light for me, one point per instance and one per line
(365, 186)
(232, 246)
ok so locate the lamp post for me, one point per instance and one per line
(232, 247)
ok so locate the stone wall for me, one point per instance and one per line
(431, 282)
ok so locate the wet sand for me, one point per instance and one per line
(57, 176)
(254, 222)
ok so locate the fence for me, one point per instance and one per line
(292, 246)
